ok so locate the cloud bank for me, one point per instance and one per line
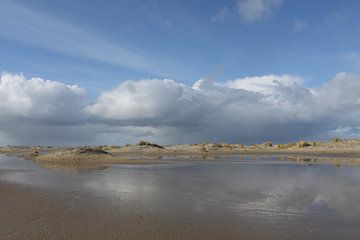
(247, 110)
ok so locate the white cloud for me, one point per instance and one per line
(255, 10)
(40, 111)
(264, 84)
(340, 100)
(134, 100)
(251, 109)
(39, 99)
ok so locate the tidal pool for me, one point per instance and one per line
(229, 197)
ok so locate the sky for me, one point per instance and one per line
(114, 72)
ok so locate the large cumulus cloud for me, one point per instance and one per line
(39, 111)
(252, 109)
(38, 99)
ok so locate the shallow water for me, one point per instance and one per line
(238, 195)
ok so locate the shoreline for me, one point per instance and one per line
(340, 152)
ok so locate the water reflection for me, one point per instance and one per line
(261, 186)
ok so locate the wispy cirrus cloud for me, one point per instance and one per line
(299, 25)
(20, 23)
(335, 19)
(256, 10)
(222, 13)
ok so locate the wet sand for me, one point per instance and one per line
(229, 197)
(38, 214)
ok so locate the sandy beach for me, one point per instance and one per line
(179, 199)
(43, 215)
(148, 191)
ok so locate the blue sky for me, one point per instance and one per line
(115, 72)
(98, 44)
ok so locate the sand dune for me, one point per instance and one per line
(337, 151)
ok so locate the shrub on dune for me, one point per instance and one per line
(303, 144)
(145, 143)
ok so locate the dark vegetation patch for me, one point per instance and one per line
(267, 144)
(144, 143)
(93, 151)
(336, 140)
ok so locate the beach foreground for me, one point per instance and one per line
(229, 197)
(52, 215)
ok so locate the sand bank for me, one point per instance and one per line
(338, 152)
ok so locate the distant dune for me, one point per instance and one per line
(337, 151)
